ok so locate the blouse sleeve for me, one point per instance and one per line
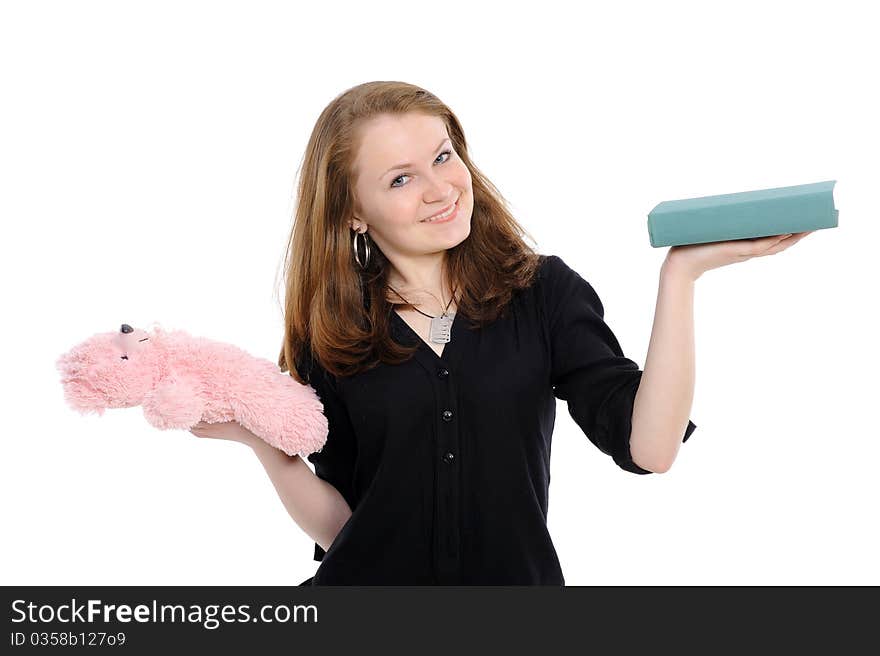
(334, 463)
(588, 368)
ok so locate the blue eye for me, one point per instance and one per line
(445, 152)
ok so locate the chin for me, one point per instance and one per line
(460, 237)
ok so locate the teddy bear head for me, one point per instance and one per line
(111, 370)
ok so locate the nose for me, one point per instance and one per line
(126, 328)
(440, 188)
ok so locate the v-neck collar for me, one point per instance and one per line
(428, 355)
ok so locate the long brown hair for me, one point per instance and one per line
(338, 313)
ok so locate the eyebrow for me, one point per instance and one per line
(403, 166)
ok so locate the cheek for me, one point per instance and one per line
(392, 210)
(396, 216)
(463, 176)
(463, 182)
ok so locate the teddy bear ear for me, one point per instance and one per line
(156, 328)
(68, 364)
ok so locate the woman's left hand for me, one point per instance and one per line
(693, 260)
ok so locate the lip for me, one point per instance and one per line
(445, 209)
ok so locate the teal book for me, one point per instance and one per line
(743, 215)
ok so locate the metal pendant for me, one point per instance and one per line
(441, 329)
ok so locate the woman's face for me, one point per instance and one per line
(406, 171)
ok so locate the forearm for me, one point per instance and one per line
(315, 505)
(666, 391)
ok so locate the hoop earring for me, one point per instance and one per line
(366, 249)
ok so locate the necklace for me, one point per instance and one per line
(441, 326)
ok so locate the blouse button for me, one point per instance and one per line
(447, 415)
(443, 373)
(448, 456)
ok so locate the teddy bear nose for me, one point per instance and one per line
(126, 328)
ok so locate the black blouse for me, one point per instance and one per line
(445, 461)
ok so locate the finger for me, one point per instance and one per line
(797, 236)
(779, 243)
(762, 245)
(764, 248)
(793, 239)
(772, 240)
(783, 245)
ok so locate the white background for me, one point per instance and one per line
(147, 160)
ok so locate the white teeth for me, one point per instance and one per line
(442, 216)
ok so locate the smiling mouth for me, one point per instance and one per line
(451, 209)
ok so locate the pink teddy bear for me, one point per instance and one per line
(181, 380)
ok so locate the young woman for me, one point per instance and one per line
(438, 342)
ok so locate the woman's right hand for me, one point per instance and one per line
(227, 430)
